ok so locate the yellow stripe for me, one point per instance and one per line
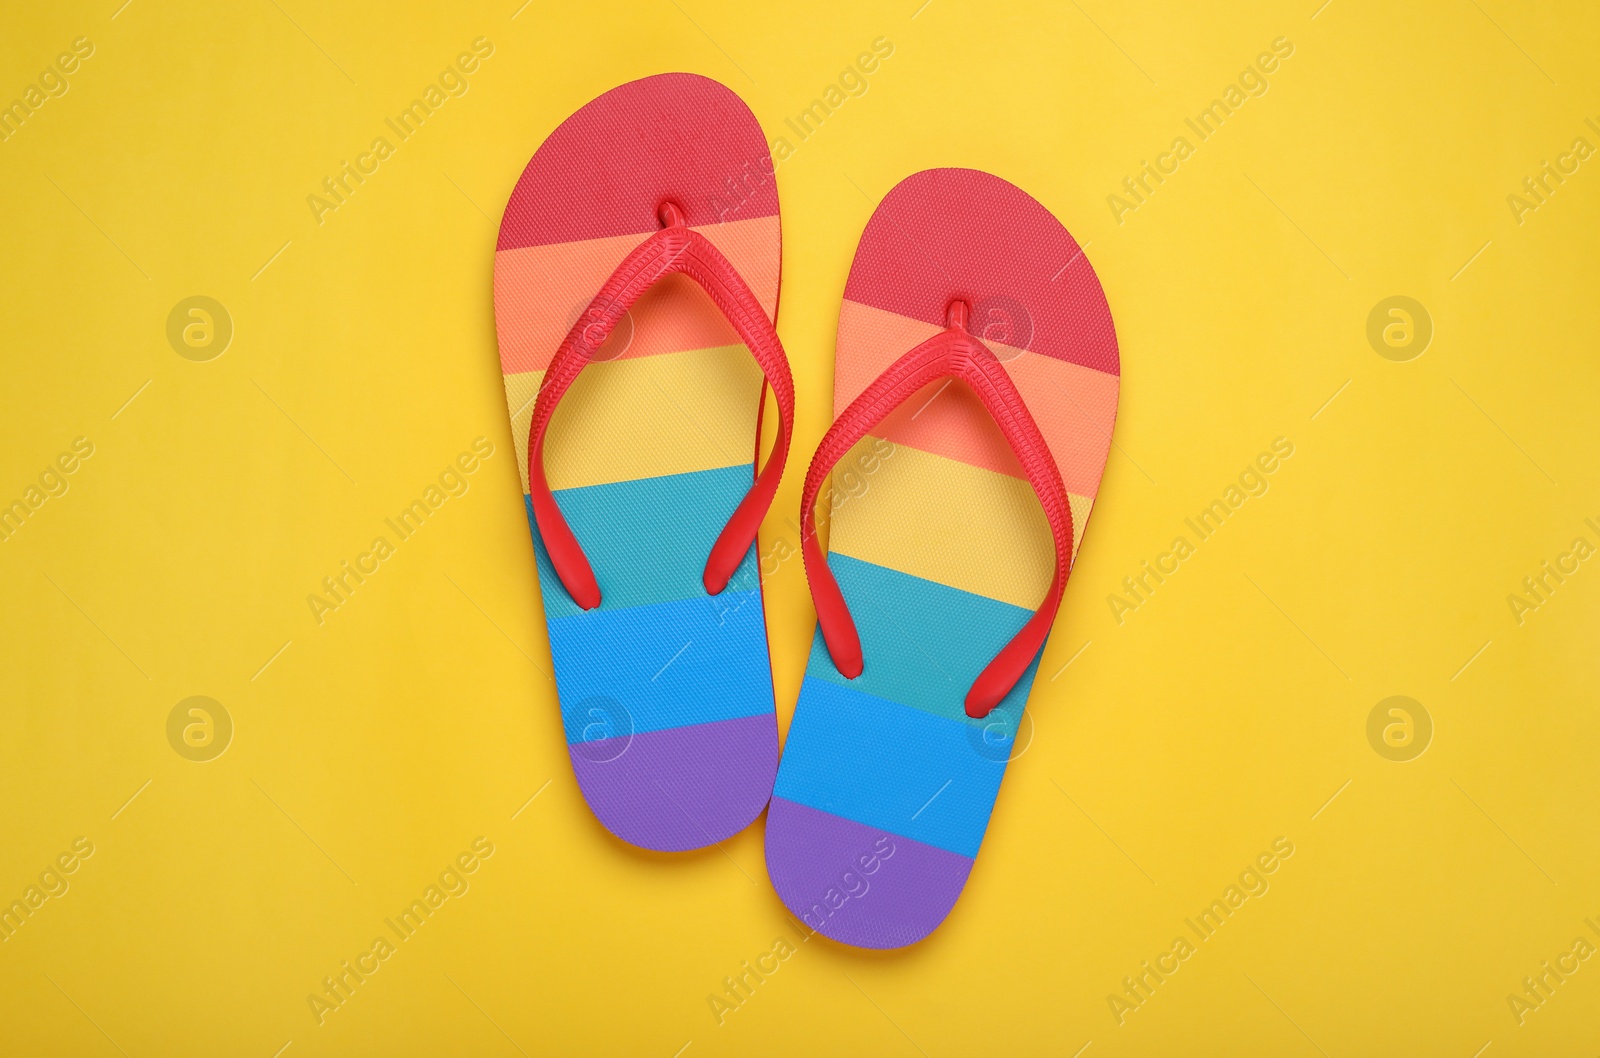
(645, 417)
(946, 521)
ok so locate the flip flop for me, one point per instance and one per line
(929, 618)
(641, 490)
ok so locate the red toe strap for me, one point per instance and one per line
(952, 353)
(675, 249)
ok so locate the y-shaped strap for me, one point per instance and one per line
(675, 249)
(952, 353)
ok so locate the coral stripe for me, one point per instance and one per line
(1074, 406)
(539, 291)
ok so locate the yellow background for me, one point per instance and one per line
(1223, 713)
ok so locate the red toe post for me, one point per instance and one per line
(675, 249)
(952, 353)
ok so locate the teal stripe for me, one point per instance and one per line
(647, 540)
(658, 652)
(894, 748)
(923, 643)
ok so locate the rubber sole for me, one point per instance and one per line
(666, 693)
(942, 553)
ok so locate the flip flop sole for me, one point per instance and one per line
(666, 692)
(941, 550)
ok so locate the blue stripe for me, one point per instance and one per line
(668, 664)
(923, 643)
(646, 540)
(888, 766)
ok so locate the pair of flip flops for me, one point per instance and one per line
(636, 289)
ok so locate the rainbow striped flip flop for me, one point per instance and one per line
(929, 618)
(640, 248)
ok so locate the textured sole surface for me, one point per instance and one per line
(942, 553)
(666, 692)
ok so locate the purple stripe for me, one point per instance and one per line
(683, 787)
(857, 884)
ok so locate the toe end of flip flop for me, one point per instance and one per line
(682, 788)
(857, 884)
